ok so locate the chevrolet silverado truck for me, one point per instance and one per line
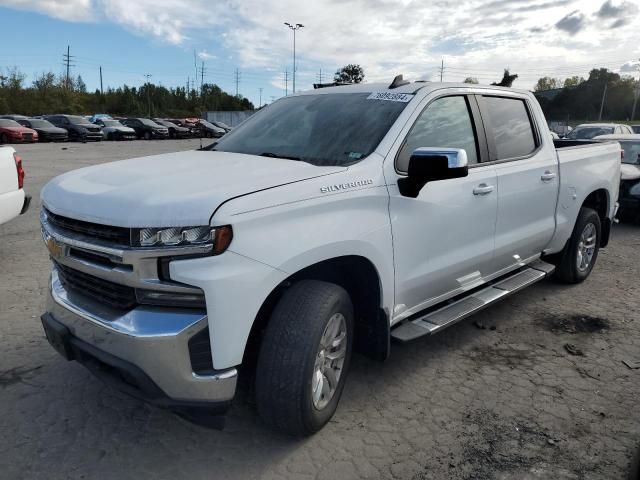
(331, 221)
(13, 200)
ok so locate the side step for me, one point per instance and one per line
(452, 313)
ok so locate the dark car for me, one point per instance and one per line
(175, 131)
(79, 128)
(210, 130)
(146, 128)
(14, 117)
(47, 132)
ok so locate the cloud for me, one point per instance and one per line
(630, 67)
(69, 10)
(572, 23)
(204, 55)
(611, 10)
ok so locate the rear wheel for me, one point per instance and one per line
(304, 357)
(580, 254)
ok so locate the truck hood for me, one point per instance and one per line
(169, 190)
(629, 172)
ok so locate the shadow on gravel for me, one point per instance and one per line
(573, 324)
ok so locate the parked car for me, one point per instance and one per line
(14, 117)
(114, 130)
(587, 131)
(208, 129)
(47, 132)
(629, 175)
(146, 128)
(79, 128)
(187, 123)
(99, 116)
(635, 128)
(325, 223)
(12, 132)
(175, 131)
(13, 200)
(222, 125)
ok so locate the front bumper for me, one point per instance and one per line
(144, 351)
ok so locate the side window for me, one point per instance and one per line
(445, 122)
(513, 133)
(617, 130)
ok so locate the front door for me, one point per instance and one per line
(443, 240)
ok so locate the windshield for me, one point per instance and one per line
(40, 124)
(148, 122)
(166, 123)
(208, 125)
(9, 123)
(326, 129)
(631, 152)
(222, 125)
(76, 120)
(111, 123)
(586, 133)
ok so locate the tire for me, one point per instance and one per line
(4, 139)
(291, 357)
(110, 136)
(147, 135)
(575, 265)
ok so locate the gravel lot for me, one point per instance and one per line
(507, 401)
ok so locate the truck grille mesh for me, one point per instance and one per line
(118, 235)
(117, 296)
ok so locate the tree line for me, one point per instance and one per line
(582, 99)
(49, 93)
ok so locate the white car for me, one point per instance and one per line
(13, 200)
(114, 130)
(330, 221)
(587, 131)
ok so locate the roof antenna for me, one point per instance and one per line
(398, 82)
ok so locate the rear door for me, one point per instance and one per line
(443, 240)
(528, 179)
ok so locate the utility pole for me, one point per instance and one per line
(295, 27)
(188, 85)
(148, 75)
(320, 76)
(237, 81)
(260, 97)
(67, 58)
(442, 70)
(201, 77)
(101, 91)
(286, 83)
(636, 94)
(604, 96)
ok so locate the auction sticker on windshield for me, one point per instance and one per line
(392, 97)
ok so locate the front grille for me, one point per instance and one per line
(200, 353)
(118, 235)
(117, 296)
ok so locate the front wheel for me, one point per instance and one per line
(580, 254)
(304, 357)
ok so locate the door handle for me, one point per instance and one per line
(483, 189)
(547, 176)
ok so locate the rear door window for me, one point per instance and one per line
(511, 127)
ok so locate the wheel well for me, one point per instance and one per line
(360, 279)
(599, 201)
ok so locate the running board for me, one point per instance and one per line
(446, 316)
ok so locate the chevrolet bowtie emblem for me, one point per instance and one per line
(55, 249)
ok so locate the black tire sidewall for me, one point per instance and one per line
(585, 217)
(314, 418)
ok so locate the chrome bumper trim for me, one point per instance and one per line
(153, 339)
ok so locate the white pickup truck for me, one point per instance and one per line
(332, 220)
(13, 200)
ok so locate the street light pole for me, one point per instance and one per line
(295, 27)
(148, 93)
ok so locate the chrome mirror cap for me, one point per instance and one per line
(456, 157)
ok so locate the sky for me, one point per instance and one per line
(477, 38)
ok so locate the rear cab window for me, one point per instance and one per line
(510, 128)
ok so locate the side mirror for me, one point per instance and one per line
(429, 164)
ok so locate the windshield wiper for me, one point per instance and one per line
(275, 155)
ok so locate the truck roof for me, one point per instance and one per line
(409, 88)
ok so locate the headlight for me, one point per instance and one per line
(635, 190)
(219, 237)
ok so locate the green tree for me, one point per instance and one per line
(547, 83)
(573, 81)
(351, 73)
(472, 80)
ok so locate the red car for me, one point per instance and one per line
(12, 132)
